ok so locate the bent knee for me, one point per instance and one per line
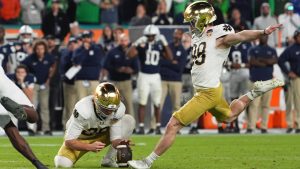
(61, 161)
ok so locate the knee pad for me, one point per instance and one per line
(61, 161)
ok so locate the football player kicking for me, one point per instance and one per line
(16, 106)
(211, 46)
(97, 121)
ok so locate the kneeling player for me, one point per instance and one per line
(97, 121)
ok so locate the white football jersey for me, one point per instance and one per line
(208, 59)
(84, 123)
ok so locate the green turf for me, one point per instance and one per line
(189, 152)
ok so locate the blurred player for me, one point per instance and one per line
(150, 48)
(15, 105)
(97, 121)
(211, 46)
(21, 49)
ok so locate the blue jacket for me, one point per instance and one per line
(91, 62)
(289, 60)
(170, 71)
(115, 59)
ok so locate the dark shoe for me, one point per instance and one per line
(31, 132)
(221, 130)
(16, 109)
(289, 130)
(264, 131)
(193, 130)
(249, 131)
(236, 130)
(48, 133)
(178, 132)
(141, 131)
(151, 131)
(297, 131)
(39, 165)
(157, 131)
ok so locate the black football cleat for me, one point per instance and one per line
(157, 131)
(141, 131)
(151, 131)
(289, 130)
(194, 130)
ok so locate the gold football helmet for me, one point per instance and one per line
(199, 14)
(107, 99)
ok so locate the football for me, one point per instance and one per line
(124, 154)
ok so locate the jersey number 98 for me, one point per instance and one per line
(198, 53)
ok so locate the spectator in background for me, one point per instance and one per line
(120, 68)
(141, 18)
(32, 11)
(90, 57)
(69, 91)
(55, 100)
(245, 7)
(4, 50)
(24, 80)
(10, 11)
(117, 32)
(262, 58)
(42, 66)
(109, 12)
(55, 22)
(171, 72)
(161, 16)
(289, 62)
(107, 38)
(264, 20)
(75, 30)
(291, 22)
(236, 20)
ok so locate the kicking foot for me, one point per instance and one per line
(16, 109)
(138, 164)
(261, 87)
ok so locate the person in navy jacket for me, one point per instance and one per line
(120, 69)
(289, 62)
(262, 59)
(90, 57)
(69, 91)
(42, 66)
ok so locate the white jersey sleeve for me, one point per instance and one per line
(222, 30)
(75, 126)
(116, 126)
(120, 112)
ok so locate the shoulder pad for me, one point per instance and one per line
(85, 107)
(222, 30)
(120, 112)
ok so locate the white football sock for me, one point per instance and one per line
(151, 158)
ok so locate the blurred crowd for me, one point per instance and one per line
(43, 67)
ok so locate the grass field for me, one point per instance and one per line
(189, 152)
